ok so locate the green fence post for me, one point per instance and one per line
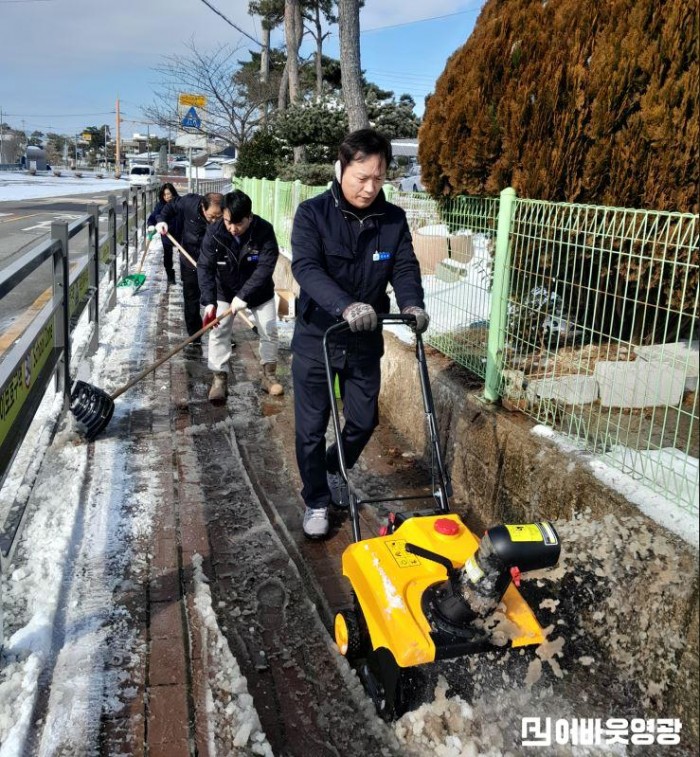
(499, 297)
(277, 209)
(264, 206)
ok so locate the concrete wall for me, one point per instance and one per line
(631, 585)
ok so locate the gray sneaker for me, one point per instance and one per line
(340, 494)
(316, 522)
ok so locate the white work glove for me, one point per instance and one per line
(238, 304)
(422, 318)
(162, 227)
(209, 316)
(360, 317)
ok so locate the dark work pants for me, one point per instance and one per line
(190, 291)
(168, 256)
(359, 386)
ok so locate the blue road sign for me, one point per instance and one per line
(191, 119)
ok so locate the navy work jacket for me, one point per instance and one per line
(186, 213)
(174, 226)
(243, 267)
(341, 255)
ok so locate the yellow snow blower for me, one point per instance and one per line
(427, 588)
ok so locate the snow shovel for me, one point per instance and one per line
(193, 262)
(136, 280)
(93, 408)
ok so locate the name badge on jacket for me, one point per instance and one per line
(379, 256)
(253, 258)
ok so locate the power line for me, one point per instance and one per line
(230, 23)
(417, 21)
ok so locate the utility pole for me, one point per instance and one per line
(2, 138)
(148, 142)
(117, 149)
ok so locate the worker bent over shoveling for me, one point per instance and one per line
(238, 257)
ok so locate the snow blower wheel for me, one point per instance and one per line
(349, 636)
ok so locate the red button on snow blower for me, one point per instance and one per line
(446, 527)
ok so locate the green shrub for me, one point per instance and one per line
(261, 156)
(311, 174)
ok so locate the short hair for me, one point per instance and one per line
(238, 204)
(169, 186)
(362, 143)
(212, 198)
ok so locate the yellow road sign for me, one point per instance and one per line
(187, 100)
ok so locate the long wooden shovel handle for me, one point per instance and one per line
(244, 317)
(181, 249)
(172, 352)
(143, 257)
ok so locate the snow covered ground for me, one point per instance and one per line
(15, 185)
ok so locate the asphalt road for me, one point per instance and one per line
(26, 223)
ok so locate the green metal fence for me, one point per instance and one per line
(582, 317)
(601, 335)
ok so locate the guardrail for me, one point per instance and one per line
(583, 317)
(199, 186)
(43, 351)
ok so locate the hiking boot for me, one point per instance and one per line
(316, 522)
(219, 388)
(340, 494)
(193, 349)
(269, 380)
(171, 276)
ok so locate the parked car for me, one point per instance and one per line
(142, 176)
(411, 182)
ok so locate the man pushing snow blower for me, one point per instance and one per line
(348, 245)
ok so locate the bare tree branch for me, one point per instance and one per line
(234, 105)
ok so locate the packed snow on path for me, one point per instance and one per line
(16, 185)
(83, 535)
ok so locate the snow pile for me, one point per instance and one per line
(234, 725)
(78, 543)
(630, 581)
(34, 591)
(447, 727)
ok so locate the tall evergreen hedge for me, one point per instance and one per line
(592, 101)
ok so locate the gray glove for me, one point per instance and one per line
(360, 317)
(422, 318)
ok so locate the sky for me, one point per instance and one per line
(71, 59)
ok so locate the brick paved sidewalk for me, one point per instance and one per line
(269, 585)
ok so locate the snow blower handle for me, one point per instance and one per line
(443, 489)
